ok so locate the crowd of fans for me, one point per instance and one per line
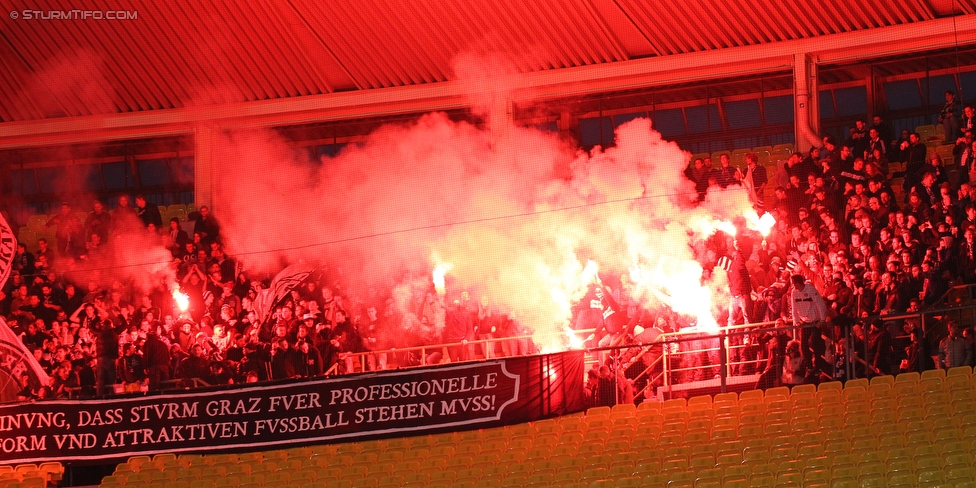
(96, 338)
(878, 227)
(870, 241)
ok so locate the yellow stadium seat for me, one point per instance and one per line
(649, 406)
(911, 377)
(790, 477)
(602, 410)
(871, 481)
(883, 380)
(830, 386)
(763, 480)
(856, 383)
(567, 475)
(726, 398)
(629, 482)
(960, 371)
(960, 470)
(624, 408)
(845, 482)
(811, 389)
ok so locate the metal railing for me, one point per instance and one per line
(426, 355)
(695, 359)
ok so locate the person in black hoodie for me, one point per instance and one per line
(283, 360)
(106, 354)
(157, 360)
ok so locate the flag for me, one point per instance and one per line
(281, 285)
(16, 360)
(8, 250)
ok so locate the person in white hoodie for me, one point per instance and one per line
(809, 313)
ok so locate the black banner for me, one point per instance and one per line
(418, 401)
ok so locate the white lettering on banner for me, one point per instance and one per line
(395, 412)
(23, 443)
(299, 424)
(192, 432)
(98, 418)
(393, 391)
(295, 402)
(164, 411)
(75, 441)
(226, 407)
(473, 404)
(32, 420)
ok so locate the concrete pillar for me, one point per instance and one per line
(204, 164)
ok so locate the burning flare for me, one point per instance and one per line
(574, 341)
(182, 299)
(589, 272)
(438, 277)
(763, 224)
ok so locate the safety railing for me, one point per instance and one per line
(688, 358)
(425, 355)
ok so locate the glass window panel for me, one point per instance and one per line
(589, 131)
(743, 114)
(902, 94)
(17, 181)
(622, 119)
(93, 177)
(967, 84)
(670, 123)
(153, 172)
(778, 110)
(50, 178)
(703, 118)
(827, 104)
(608, 135)
(938, 85)
(852, 102)
(156, 199)
(746, 142)
(782, 138)
(909, 123)
(183, 170)
(115, 175)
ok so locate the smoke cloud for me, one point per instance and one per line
(494, 204)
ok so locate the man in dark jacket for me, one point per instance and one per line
(158, 361)
(148, 213)
(106, 354)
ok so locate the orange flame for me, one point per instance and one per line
(438, 277)
(182, 299)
